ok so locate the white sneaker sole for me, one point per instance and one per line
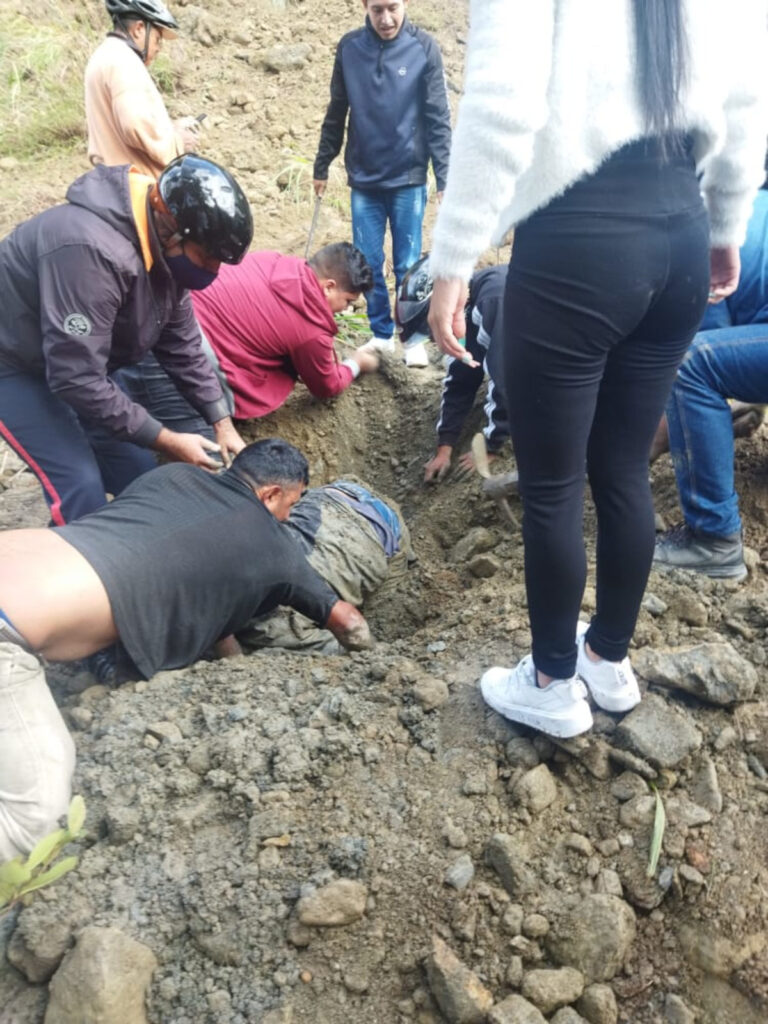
(615, 698)
(563, 724)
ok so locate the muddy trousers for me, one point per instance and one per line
(606, 288)
(37, 755)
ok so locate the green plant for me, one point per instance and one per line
(294, 179)
(659, 824)
(354, 328)
(22, 876)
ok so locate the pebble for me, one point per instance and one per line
(628, 785)
(705, 787)
(551, 989)
(460, 873)
(484, 566)
(521, 753)
(688, 608)
(725, 738)
(654, 605)
(713, 672)
(512, 919)
(661, 734)
(339, 903)
(515, 1010)
(536, 789)
(580, 844)
(514, 973)
(676, 1012)
(598, 1005)
(430, 693)
(594, 936)
(461, 996)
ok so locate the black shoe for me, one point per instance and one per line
(721, 557)
(103, 666)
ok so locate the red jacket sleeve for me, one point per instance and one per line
(316, 363)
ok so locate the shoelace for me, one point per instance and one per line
(678, 536)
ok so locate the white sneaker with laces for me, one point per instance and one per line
(416, 355)
(379, 345)
(612, 683)
(559, 709)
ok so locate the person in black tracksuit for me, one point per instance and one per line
(463, 378)
(388, 75)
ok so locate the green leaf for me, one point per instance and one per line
(14, 872)
(47, 847)
(76, 816)
(58, 869)
(659, 824)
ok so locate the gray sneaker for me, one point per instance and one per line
(716, 556)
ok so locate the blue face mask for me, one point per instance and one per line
(188, 274)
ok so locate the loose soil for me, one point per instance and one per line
(279, 773)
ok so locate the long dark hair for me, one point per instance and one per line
(662, 63)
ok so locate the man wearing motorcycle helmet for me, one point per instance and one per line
(126, 116)
(463, 376)
(96, 284)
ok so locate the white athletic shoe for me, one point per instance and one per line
(559, 709)
(612, 683)
(416, 355)
(379, 345)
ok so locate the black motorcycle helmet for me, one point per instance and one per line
(153, 11)
(412, 306)
(208, 205)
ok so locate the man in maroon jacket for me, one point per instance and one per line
(93, 285)
(268, 323)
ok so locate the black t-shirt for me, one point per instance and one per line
(186, 558)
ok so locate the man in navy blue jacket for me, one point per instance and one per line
(389, 76)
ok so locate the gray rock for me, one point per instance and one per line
(459, 993)
(713, 672)
(551, 989)
(286, 58)
(594, 936)
(654, 605)
(484, 566)
(38, 952)
(334, 905)
(637, 812)
(688, 608)
(122, 823)
(659, 733)
(598, 1005)
(567, 1015)
(514, 973)
(725, 738)
(627, 785)
(515, 1010)
(521, 753)
(512, 919)
(168, 731)
(460, 873)
(692, 875)
(536, 789)
(535, 926)
(676, 1012)
(509, 858)
(103, 980)
(430, 693)
(478, 539)
(685, 813)
(715, 954)
(705, 788)
(608, 881)
(579, 843)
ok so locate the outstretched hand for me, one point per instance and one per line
(446, 315)
(349, 627)
(437, 468)
(187, 448)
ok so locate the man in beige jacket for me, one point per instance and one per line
(127, 119)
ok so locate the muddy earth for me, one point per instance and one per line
(287, 839)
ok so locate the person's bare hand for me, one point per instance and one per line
(319, 185)
(467, 462)
(437, 467)
(187, 448)
(228, 439)
(446, 315)
(725, 267)
(349, 627)
(367, 360)
(188, 131)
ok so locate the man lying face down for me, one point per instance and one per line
(357, 541)
(181, 559)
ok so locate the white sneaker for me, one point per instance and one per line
(612, 683)
(379, 345)
(559, 709)
(416, 355)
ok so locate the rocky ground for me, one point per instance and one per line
(287, 839)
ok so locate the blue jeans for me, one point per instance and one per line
(77, 462)
(371, 209)
(149, 385)
(729, 362)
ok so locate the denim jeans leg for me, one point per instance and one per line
(406, 215)
(148, 384)
(721, 364)
(369, 223)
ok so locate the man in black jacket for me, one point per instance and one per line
(389, 76)
(93, 285)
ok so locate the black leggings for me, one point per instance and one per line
(606, 288)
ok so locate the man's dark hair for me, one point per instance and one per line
(662, 64)
(345, 264)
(271, 461)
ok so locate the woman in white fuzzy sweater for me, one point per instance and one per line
(586, 125)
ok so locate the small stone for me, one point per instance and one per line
(512, 919)
(551, 989)
(705, 788)
(122, 823)
(608, 881)
(654, 605)
(459, 993)
(659, 733)
(691, 875)
(627, 785)
(298, 934)
(430, 693)
(689, 609)
(460, 873)
(514, 975)
(714, 672)
(521, 753)
(484, 566)
(536, 790)
(715, 954)
(104, 978)
(594, 936)
(598, 1005)
(515, 1010)
(676, 1012)
(334, 905)
(477, 540)
(168, 731)
(637, 812)
(725, 738)
(509, 859)
(474, 785)
(567, 1015)
(608, 847)
(580, 844)
(286, 58)
(535, 926)
(37, 952)
(356, 980)
(80, 718)
(456, 837)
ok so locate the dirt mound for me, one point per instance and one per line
(229, 800)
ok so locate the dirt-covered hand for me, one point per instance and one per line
(188, 132)
(446, 315)
(228, 439)
(349, 627)
(437, 467)
(187, 448)
(367, 361)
